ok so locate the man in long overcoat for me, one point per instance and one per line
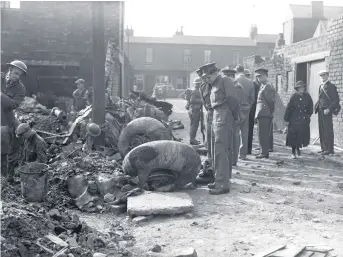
(327, 104)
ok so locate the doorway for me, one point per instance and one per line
(313, 89)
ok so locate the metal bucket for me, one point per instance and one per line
(34, 181)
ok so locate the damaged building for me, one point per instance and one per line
(54, 39)
(302, 61)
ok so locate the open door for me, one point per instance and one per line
(313, 89)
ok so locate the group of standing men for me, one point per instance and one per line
(234, 103)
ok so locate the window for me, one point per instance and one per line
(207, 56)
(140, 82)
(149, 55)
(236, 58)
(162, 79)
(290, 79)
(181, 83)
(278, 82)
(187, 56)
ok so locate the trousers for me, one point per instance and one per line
(222, 129)
(241, 137)
(326, 133)
(251, 128)
(209, 135)
(264, 134)
(194, 116)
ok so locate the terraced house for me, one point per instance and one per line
(174, 59)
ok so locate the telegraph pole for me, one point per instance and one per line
(98, 65)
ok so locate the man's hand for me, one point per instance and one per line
(326, 111)
(255, 120)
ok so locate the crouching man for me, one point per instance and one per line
(34, 148)
(93, 131)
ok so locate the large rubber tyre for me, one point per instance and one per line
(165, 160)
(140, 131)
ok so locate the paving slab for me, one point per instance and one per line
(154, 203)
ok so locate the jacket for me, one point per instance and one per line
(249, 91)
(224, 93)
(265, 101)
(34, 150)
(80, 99)
(328, 99)
(195, 98)
(11, 97)
(299, 109)
(205, 93)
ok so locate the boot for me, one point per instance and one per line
(194, 142)
(211, 185)
(262, 156)
(217, 191)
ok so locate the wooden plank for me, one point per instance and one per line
(270, 251)
(289, 252)
(321, 249)
(306, 254)
(318, 254)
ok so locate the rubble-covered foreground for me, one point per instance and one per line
(90, 181)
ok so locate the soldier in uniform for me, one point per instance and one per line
(264, 112)
(225, 104)
(252, 112)
(206, 175)
(327, 104)
(12, 95)
(247, 101)
(194, 110)
(233, 152)
(34, 149)
(80, 96)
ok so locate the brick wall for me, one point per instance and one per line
(55, 32)
(283, 61)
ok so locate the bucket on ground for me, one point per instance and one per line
(34, 181)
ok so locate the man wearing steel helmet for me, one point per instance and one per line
(93, 131)
(12, 95)
(225, 104)
(34, 149)
(194, 110)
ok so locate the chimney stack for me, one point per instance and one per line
(280, 41)
(253, 32)
(129, 32)
(317, 9)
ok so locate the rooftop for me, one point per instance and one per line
(205, 40)
(305, 11)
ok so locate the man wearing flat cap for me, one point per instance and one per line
(248, 100)
(327, 104)
(225, 104)
(264, 112)
(80, 96)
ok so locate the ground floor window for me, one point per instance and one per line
(181, 83)
(139, 82)
(162, 79)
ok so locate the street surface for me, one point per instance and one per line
(299, 202)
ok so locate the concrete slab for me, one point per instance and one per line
(154, 203)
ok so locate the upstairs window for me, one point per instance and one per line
(149, 55)
(207, 56)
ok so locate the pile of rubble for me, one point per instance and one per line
(33, 230)
(93, 182)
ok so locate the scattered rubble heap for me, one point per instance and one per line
(32, 230)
